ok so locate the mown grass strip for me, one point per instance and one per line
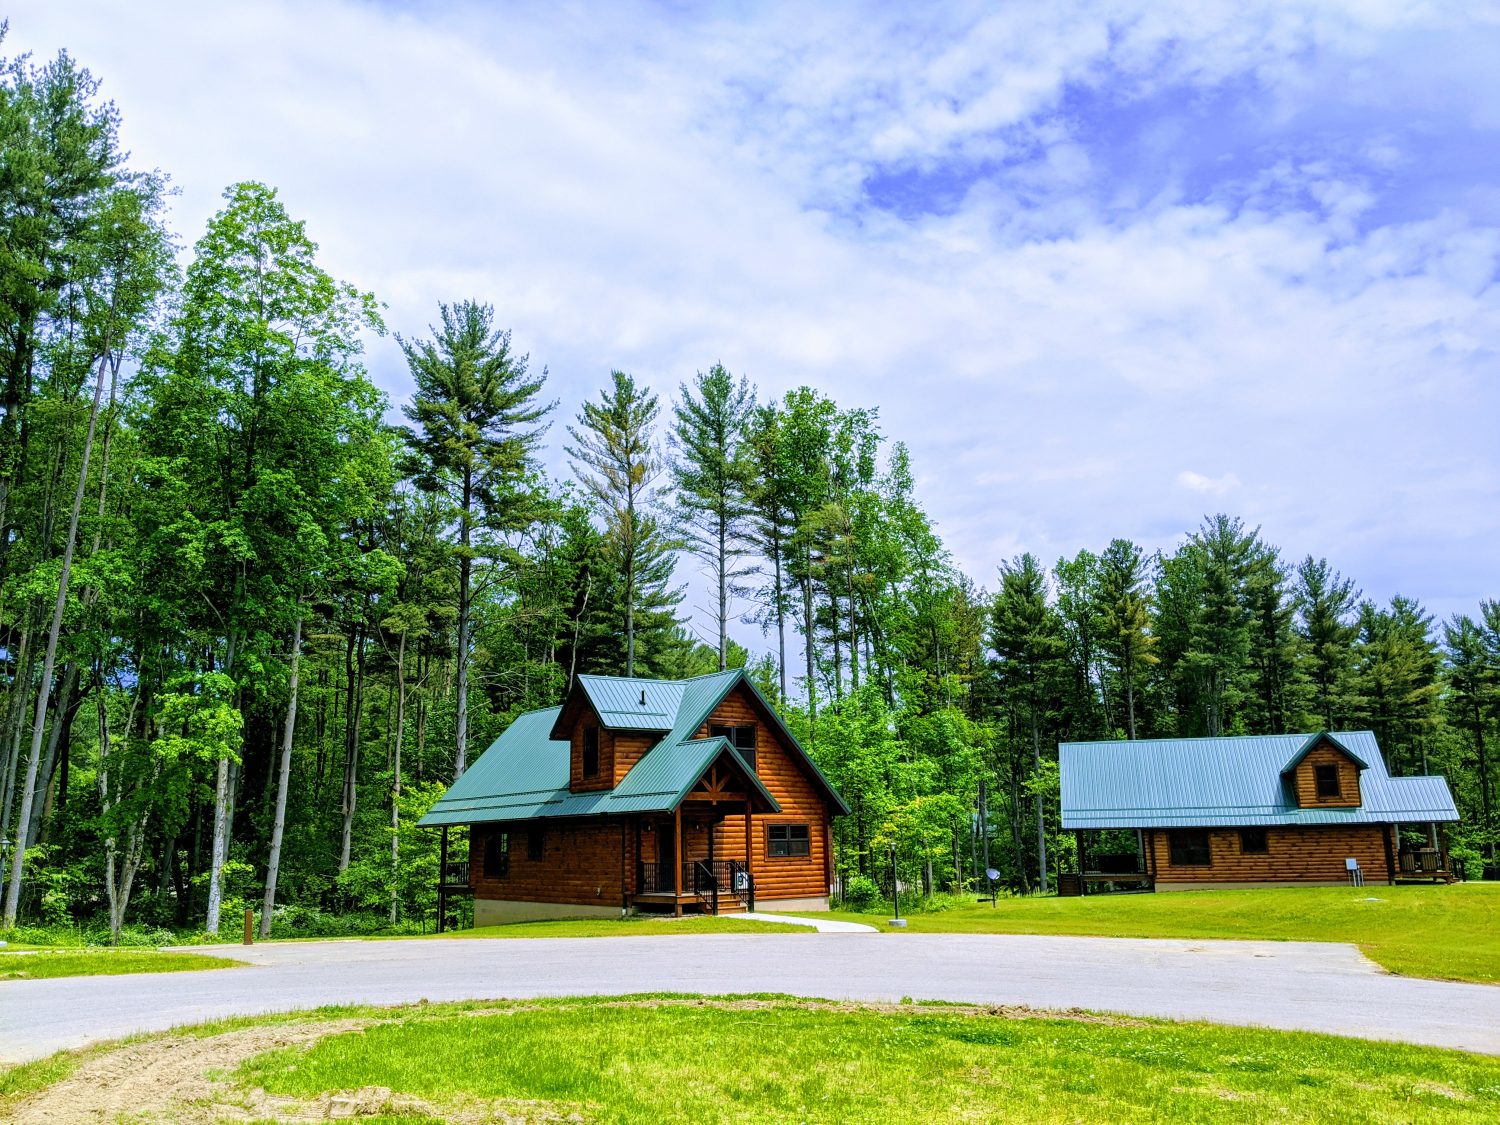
(1448, 933)
(783, 1060)
(47, 963)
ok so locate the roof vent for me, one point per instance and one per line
(643, 697)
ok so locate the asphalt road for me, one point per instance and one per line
(1310, 986)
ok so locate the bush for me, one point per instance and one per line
(860, 893)
(293, 921)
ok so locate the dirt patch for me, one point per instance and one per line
(163, 1079)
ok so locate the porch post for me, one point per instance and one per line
(677, 863)
(1078, 840)
(749, 869)
(1390, 853)
(442, 878)
(713, 875)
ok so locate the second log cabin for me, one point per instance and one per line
(1266, 810)
(637, 794)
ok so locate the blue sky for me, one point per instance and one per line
(1105, 267)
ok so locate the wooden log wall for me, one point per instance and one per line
(1306, 783)
(606, 776)
(580, 863)
(1293, 855)
(801, 801)
(628, 748)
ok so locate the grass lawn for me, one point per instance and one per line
(102, 962)
(635, 926)
(660, 1060)
(1448, 932)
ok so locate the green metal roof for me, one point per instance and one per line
(630, 703)
(1230, 782)
(524, 774)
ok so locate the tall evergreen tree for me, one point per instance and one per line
(1026, 636)
(476, 412)
(1124, 605)
(1326, 603)
(615, 457)
(711, 473)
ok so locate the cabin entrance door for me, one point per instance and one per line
(666, 852)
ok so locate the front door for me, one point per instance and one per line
(666, 855)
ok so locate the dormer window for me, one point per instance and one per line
(1327, 780)
(741, 738)
(590, 751)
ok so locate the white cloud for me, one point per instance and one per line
(655, 195)
(1211, 486)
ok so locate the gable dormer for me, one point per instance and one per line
(609, 723)
(1324, 774)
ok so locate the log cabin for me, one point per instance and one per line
(1266, 810)
(687, 796)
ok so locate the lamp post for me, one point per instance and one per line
(897, 921)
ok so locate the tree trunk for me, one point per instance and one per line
(723, 593)
(461, 716)
(351, 749)
(13, 892)
(283, 780)
(396, 778)
(1041, 827)
(219, 845)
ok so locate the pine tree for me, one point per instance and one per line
(711, 473)
(1326, 603)
(476, 412)
(1125, 605)
(615, 458)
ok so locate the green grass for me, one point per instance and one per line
(102, 962)
(635, 926)
(1447, 932)
(690, 1060)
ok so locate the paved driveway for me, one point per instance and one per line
(1317, 987)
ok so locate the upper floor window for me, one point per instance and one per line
(497, 855)
(590, 751)
(741, 738)
(1327, 780)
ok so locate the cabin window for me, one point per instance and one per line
(789, 840)
(741, 738)
(1189, 848)
(1253, 841)
(1327, 779)
(497, 855)
(536, 844)
(591, 752)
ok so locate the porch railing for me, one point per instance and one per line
(1424, 861)
(726, 877)
(456, 874)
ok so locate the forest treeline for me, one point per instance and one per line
(254, 618)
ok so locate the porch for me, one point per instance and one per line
(689, 863)
(1105, 865)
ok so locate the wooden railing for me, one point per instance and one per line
(1424, 861)
(456, 874)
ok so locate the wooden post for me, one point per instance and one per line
(249, 926)
(677, 863)
(1078, 839)
(749, 850)
(713, 875)
(442, 878)
(1390, 854)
